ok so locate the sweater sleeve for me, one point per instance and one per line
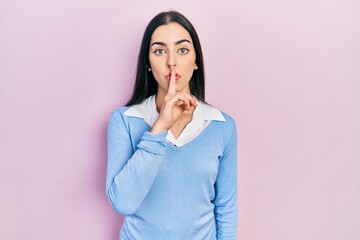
(226, 190)
(130, 173)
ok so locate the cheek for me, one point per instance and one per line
(156, 68)
(156, 63)
(152, 62)
(190, 64)
(191, 61)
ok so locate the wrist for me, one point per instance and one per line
(157, 128)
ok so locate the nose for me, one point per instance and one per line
(171, 61)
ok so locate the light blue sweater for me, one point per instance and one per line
(172, 193)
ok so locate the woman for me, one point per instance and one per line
(172, 158)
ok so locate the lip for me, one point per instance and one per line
(177, 76)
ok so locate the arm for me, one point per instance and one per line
(226, 191)
(130, 174)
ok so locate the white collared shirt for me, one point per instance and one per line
(202, 116)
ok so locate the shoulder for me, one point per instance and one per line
(119, 112)
(213, 113)
(225, 125)
(117, 115)
(229, 132)
(222, 122)
(229, 127)
(228, 118)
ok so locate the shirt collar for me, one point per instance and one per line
(147, 111)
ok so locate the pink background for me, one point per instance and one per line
(287, 71)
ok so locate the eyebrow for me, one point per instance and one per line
(176, 43)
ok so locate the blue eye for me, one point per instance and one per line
(159, 51)
(183, 50)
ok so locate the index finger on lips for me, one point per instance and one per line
(172, 83)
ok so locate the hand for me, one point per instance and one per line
(175, 104)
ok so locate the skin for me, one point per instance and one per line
(172, 61)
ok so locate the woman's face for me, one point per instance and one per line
(171, 45)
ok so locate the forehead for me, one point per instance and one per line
(171, 32)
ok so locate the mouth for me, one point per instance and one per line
(177, 76)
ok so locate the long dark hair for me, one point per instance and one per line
(145, 83)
